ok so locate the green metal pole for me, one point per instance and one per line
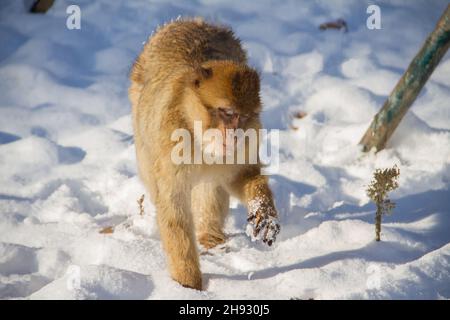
(409, 86)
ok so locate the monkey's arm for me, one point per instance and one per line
(252, 189)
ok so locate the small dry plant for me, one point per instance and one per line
(110, 229)
(384, 181)
(140, 202)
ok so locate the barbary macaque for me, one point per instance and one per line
(193, 71)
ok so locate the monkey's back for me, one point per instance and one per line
(185, 44)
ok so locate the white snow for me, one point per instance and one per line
(67, 162)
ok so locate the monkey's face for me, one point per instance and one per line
(229, 97)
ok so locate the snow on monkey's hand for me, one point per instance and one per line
(262, 221)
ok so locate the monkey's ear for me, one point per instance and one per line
(202, 73)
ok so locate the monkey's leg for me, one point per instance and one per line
(177, 234)
(210, 204)
(253, 190)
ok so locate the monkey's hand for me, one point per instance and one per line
(263, 222)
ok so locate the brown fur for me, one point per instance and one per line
(186, 71)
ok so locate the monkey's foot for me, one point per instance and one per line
(192, 280)
(267, 230)
(263, 224)
(209, 240)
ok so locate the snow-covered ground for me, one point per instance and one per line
(67, 162)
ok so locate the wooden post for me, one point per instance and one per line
(409, 86)
(41, 6)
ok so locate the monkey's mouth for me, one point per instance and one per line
(230, 145)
